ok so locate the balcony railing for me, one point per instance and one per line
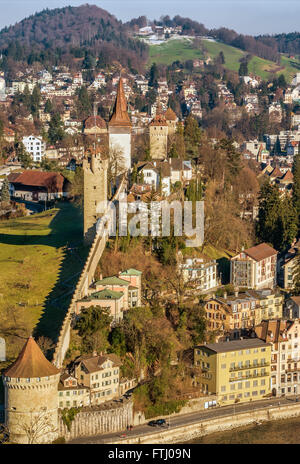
(251, 366)
(251, 376)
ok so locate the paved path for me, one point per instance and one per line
(188, 419)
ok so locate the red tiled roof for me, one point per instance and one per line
(170, 115)
(31, 363)
(159, 120)
(53, 181)
(93, 121)
(288, 176)
(120, 115)
(261, 251)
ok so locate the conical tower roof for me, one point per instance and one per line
(120, 115)
(31, 363)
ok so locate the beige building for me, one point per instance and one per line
(101, 374)
(233, 313)
(109, 299)
(71, 394)
(284, 337)
(30, 391)
(235, 371)
(254, 268)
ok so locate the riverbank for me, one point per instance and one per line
(217, 423)
(278, 432)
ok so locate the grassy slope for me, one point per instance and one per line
(182, 50)
(37, 272)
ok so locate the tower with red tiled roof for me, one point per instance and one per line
(119, 127)
(31, 403)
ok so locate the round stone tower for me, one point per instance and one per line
(31, 404)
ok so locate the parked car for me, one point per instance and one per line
(156, 423)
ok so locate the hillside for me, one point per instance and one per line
(53, 36)
(183, 50)
(37, 273)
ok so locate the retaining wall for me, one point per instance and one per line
(204, 427)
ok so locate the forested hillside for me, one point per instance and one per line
(67, 34)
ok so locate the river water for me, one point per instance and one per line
(275, 432)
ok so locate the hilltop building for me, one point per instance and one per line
(119, 127)
(30, 389)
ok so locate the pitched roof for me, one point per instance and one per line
(132, 272)
(159, 120)
(31, 363)
(170, 115)
(261, 251)
(112, 281)
(276, 172)
(120, 115)
(53, 181)
(273, 330)
(94, 363)
(287, 177)
(104, 295)
(93, 121)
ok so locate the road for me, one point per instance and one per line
(188, 419)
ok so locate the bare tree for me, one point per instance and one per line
(39, 424)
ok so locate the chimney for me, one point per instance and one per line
(236, 292)
(101, 276)
(94, 354)
(225, 295)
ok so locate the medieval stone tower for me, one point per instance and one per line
(95, 193)
(158, 134)
(119, 127)
(31, 404)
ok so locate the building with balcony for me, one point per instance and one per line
(235, 371)
(201, 272)
(234, 313)
(254, 268)
(284, 337)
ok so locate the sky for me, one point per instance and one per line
(245, 16)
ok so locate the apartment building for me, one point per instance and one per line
(284, 337)
(201, 272)
(35, 146)
(71, 394)
(235, 371)
(101, 374)
(242, 310)
(254, 268)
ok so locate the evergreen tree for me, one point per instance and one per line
(243, 69)
(4, 196)
(56, 132)
(48, 106)
(153, 76)
(192, 135)
(277, 147)
(277, 218)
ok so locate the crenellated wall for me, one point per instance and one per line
(95, 422)
(82, 286)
